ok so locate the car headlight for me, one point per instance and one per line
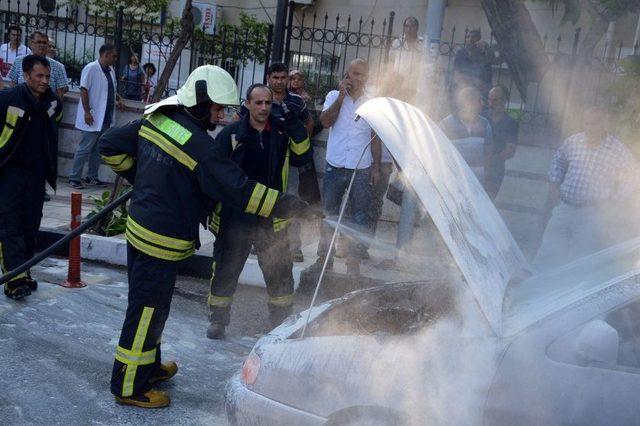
(250, 369)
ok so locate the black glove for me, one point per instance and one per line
(289, 206)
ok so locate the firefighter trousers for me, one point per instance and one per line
(230, 252)
(151, 284)
(21, 201)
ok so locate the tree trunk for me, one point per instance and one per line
(580, 95)
(186, 32)
(518, 41)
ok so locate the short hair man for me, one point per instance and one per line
(14, 48)
(285, 101)
(351, 148)
(472, 64)
(591, 175)
(262, 145)
(31, 113)
(95, 114)
(39, 44)
(469, 132)
(504, 130)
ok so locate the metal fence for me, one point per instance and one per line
(79, 31)
(322, 47)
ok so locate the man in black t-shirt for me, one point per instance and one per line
(505, 136)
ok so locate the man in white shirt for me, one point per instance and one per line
(9, 51)
(95, 114)
(350, 148)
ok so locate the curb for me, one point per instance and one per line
(113, 251)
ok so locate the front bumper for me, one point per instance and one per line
(245, 407)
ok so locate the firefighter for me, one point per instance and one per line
(28, 158)
(264, 146)
(177, 173)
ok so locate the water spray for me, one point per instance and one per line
(343, 207)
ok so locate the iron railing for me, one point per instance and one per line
(79, 31)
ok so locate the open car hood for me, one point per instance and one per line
(477, 237)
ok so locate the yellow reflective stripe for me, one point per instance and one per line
(118, 163)
(219, 301)
(300, 147)
(164, 144)
(269, 202)
(59, 117)
(128, 357)
(256, 197)
(169, 127)
(213, 274)
(154, 251)
(5, 135)
(285, 172)
(161, 240)
(13, 113)
(3, 268)
(280, 224)
(286, 300)
(136, 348)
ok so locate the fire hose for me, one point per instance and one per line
(71, 235)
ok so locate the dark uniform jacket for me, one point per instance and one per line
(177, 173)
(287, 144)
(18, 107)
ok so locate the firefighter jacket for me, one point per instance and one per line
(18, 109)
(288, 144)
(178, 174)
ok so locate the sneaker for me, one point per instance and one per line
(76, 184)
(150, 399)
(297, 256)
(215, 331)
(17, 290)
(47, 197)
(164, 372)
(94, 182)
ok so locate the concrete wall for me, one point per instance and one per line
(69, 136)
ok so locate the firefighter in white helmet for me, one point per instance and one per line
(177, 175)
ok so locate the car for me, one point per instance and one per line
(496, 344)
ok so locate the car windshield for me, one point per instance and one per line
(540, 295)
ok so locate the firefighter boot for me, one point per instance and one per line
(277, 314)
(164, 372)
(32, 284)
(215, 331)
(17, 289)
(150, 399)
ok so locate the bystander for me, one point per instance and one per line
(592, 176)
(351, 148)
(469, 132)
(504, 129)
(11, 50)
(39, 43)
(133, 79)
(96, 113)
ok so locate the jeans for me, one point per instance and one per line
(336, 181)
(87, 150)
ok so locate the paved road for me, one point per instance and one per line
(56, 349)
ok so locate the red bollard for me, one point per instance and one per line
(73, 276)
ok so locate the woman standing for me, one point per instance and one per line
(133, 78)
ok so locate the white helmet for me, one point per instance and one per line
(207, 83)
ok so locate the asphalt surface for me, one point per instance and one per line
(57, 346)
